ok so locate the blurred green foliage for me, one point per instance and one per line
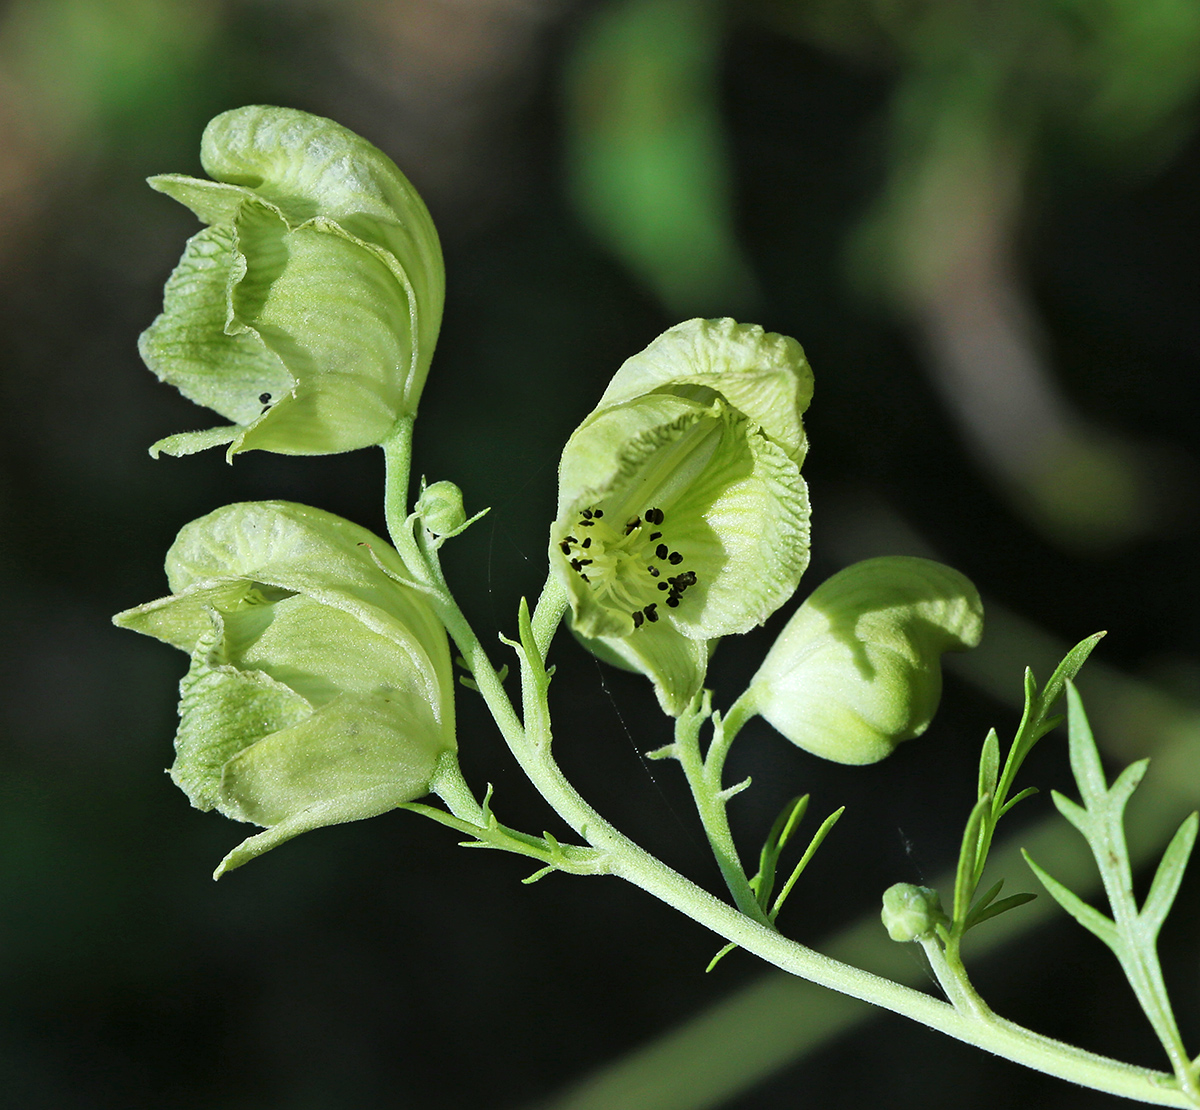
(647, 155)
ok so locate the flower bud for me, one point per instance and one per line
(307, 311)
(911, 912)
(858, 667)
(682, 516)
(440, 508)
(320, 688)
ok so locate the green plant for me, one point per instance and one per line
(320, 688)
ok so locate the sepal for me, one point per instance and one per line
(308, 310)
(319, 689)
(857, 669)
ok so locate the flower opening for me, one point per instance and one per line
(629, 568)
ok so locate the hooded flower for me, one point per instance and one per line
(857, 669)
(319, 689)
(682, 516)
(307, 310)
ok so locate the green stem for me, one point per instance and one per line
(711, 805)
(449, 785)
(626, 859)
(548, 613)
(621, 856)
(726, 732)
(951, 975)
(397, 459)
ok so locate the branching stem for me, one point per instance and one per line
(971, 1024)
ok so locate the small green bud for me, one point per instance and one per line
(440, 508)
(682, 515)
(911, 912)
(307, 311)
(858, 667)
(320, 688)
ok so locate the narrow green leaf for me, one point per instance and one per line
(734, 790)
(986, 897)
(540, 874)
(1049, 724)
(719, 956)
(989, 764)
(1028, 792)
(813, 845)
(978, 915)
(1028, 713)
(799, 806)
(1075, 813)
(781, 831)
(968, 854)
(1090, 918)
(1125, 784)
(1085, 759)
(1023, 741)
(667, 751)
(1169, 875)
(1066, 671)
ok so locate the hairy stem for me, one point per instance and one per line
(711, 805)
(621, 856)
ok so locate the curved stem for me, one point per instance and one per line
(548, 613)
(726, 732)
(621, 856)
(397, 460)
(628, 860)
(705, 782)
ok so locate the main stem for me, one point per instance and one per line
(634, 864)
(637, 866)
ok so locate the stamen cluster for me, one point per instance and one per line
(620, 566)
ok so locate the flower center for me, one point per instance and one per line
(629, 567)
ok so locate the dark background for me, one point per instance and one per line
(376, 964)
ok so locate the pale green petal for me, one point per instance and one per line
(682, 516)
(188, 443)
(308, 312)
(744, 526)
(320, 688)
(858, 667)
(221, 711)
(188, 347)
(610, 449)
(310, 166)
(675, 664)
(332, 311)
(354, 758)
(322, 652)
(641, 455)
(736, 507)
(322, 556)
(214, 202)
(762, 374)
(183, 620)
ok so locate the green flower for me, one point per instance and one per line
(682, 516)
(307, 311)
(320, 688)
(858, 667)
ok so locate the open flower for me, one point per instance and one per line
(682, 516)
(307, 311)
(857, 669)
(319, 689)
